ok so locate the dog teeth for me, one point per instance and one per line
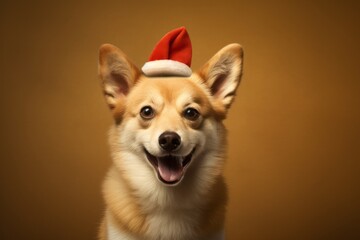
(170, 168)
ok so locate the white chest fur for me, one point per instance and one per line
(166, 231)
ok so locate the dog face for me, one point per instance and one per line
(170, 125)
(167, 120)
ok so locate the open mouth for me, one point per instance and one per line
(170, 169)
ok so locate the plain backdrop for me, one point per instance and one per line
(293, 169)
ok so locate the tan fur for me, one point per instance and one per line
(214, 212)
(138, 205)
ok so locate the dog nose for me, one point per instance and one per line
(169, 141)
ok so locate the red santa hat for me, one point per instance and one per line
(171, 55)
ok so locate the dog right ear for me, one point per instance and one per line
(118, 75)
(222, 75)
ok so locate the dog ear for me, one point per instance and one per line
(117, 73)
(222, 74)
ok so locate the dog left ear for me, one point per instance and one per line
(118, 75)
(222, 74)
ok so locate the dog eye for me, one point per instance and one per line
(147, 112)
(191, 114)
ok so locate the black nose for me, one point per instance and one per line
(169, 141)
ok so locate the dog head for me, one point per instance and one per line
(169, 126)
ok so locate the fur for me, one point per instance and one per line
(140, 204)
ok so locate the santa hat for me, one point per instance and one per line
(171, 55)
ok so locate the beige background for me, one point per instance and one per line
(293, 169)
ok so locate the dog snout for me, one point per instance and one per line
(169, 141)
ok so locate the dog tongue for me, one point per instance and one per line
(170, 168)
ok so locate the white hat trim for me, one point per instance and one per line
(166, 67)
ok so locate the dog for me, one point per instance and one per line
(168, 146)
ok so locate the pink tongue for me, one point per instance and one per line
(170, 173)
